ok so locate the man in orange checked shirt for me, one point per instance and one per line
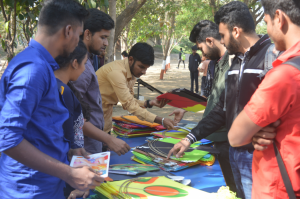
(116, 81)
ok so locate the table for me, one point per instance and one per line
(205, 178)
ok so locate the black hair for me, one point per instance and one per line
(180, 48)
(97, 21)
(237, 14)
(204, 29)
(290, 7)
(194, 48)
(79, 53)
(142, 52)
(125, 54)
(56, 14)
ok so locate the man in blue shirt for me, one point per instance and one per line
(32, 112)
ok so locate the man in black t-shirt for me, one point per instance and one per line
(194, 61)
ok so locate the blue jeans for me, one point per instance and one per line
(241, 165)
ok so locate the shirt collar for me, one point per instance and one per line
(288, 54)
(127, 67)
(45, 54)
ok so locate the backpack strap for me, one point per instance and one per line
(285, 177)
(294, 62)
(284, 174)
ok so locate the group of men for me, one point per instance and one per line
(253, 104)
(245, 97)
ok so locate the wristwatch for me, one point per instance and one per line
(148, 104)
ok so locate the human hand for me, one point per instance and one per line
(179, 149)
(159, 103)
(78, 152)
(78, 194)
(168, 123)
(84, 178)
(179, 113)
(117, 145)
(262, 139)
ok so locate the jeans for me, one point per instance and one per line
(241, 164)
(180, 62)
(194, 78)
(224, 162)
(203, 79)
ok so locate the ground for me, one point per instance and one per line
(174, 78)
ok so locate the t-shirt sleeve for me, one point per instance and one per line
(274, 97)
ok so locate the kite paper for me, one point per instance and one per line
(149, 188)
(99, 162)
(185, 99)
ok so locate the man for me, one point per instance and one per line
(237, 29)
(124, 54)
(206, 36)
(281, 89)
(181, 58)
(98, 61)
(116, 81)
(203, 69)
(34, 152)
(194, 62)
(96, 31)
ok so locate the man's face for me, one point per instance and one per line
(73, 40)
(273, 33)
(227, 39)
(212, 53)
(137, 68)
(194, 51)
(98, 42)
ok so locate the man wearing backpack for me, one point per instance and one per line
(237, 29)
(278, 97)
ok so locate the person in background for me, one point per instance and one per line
(96, 31)
(116, 83)
(181, 58)
(194, 62)
(34, 160)
(281, 90)
(206, 36)
(203, 69)
(124, 54)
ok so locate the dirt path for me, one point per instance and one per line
(174, 78)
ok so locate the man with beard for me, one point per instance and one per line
(237, 29)
(34, 160)
(116, 81)
(207, 38)
(96, 31)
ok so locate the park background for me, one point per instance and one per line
(164, 24)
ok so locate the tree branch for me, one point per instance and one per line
(3, 11)
(14, 23)
(125, 17)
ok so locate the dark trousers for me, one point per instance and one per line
(180, 62)
(194, 78)
(224, 162)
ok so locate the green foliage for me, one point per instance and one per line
(261, 28)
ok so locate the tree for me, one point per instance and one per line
(20, 19)
(111, 40)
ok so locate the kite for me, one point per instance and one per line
(185, 99)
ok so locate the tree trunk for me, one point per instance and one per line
(111, 40)
(125, 17)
